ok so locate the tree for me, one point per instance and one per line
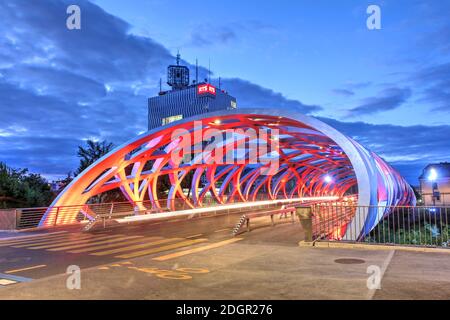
(18, 188)
(91, 153)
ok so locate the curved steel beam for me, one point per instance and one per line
(306, 151)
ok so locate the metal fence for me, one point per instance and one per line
(28, 218)
(417, 226)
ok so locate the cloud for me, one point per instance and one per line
(207, 35)
(59, 87)
(407, 148)
(432, 18)
(435, 81)
(388, 99)
(252, 95)
(358, 85)
(344, 92)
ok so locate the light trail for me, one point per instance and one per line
(193, 212)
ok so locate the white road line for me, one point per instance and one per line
(385, 265)
(7, 239)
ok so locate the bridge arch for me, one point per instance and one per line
(238, 156)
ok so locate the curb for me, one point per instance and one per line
(341, 245)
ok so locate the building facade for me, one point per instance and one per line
(184, 99)
(435, 184)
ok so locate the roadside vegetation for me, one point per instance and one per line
(20, 188)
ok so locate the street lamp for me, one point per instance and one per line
(432, 176)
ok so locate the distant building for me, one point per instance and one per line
(185, 99)
(435, 184)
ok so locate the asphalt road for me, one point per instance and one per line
(38, 255)
(199, 259)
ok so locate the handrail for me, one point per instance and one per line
(246, 218)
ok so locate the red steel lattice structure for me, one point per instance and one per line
(305, 157)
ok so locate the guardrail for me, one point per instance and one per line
(245, 218)
(415, 226)
(29, 218)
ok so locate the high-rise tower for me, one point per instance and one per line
(178, 76)
(185, 99)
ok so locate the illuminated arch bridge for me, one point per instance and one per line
(238, 156)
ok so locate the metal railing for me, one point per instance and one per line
(29, 218)
(415, 226)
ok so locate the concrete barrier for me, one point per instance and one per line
(305, 216)
(8, 220)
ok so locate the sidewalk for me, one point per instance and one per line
(255, 270)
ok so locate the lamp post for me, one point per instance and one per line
(434, 188)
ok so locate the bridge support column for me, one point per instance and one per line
(305, 216)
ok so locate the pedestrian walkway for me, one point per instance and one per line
(119, 246)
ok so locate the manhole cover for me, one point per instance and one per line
(349, 261)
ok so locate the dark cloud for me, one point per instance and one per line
(60, 87)
(388, 99)
(102, 50)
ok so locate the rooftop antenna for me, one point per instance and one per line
(178, 58)
(196, 70)
(160, 84)
(219, 83)
(209, 70)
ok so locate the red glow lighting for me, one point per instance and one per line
(206, 89)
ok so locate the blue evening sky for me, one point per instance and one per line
(389, 89)
(304, 49)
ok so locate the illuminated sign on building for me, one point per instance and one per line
(171, 119)
(206, 89)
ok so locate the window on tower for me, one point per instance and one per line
(171, 119)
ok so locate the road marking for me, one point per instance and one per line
(174, 276)
(195, 250)
(73, 242)
(14, 278)
(385, 265)
(222, 230)
(82, 245)
(96, 247)
(195, 236)
(160, 249)
(53, 241)
(12, 242)
(6, 282)
(178, 274)
(193, 270)
(139, 246)
(31, 236)
(26, 269)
